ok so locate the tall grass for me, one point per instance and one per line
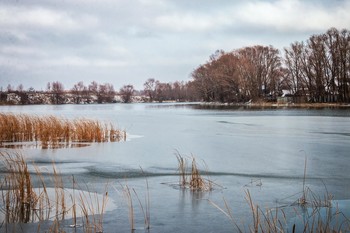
(129, 195)
(311, 218)
(129, 200)
(18, 196)
(24, 202)
(54, 132)
(93, 209)
(145, 208)
(192, 178)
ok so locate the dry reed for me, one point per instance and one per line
(54, 132)
(128, 197)
(18, 195)
(93, 210)
(145, 208)
(275, 220)
(192, 179)
(129, 194)
(21, 202)
(182, 169)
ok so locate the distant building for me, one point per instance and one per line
(288, 97)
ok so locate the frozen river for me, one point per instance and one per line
(238, 145)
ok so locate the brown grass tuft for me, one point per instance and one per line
(18, 195)
(21, 202)
(192, 179)
(53, 132)
(311, 219)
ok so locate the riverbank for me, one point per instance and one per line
(278, 105)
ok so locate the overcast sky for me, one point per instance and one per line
(128, 41)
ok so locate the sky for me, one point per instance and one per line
(129, 41)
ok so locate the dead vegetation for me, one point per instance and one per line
(54, 132)
(312, 214)
(18, 195)
(314, 218)
(24, 202)
(192, 178)
(130, 195)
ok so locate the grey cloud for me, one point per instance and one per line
(129, 41)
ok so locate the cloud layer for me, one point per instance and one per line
(124, 42)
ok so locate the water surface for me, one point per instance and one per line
(238, 145)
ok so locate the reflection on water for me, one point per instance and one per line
(42, 146)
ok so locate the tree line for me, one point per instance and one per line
(320, 67)
(317, 70)
(55, 93)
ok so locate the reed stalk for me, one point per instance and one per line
(44, 206)
(128, 198)
(191, 178)
(23, 203)
(303, 199)
(182, 167)
(74, 206)
(145, 208)
(53, 132)
(93, 209)
(148, 206)
(60, 201)
(275, 220)
(226, 210)
(20, 197)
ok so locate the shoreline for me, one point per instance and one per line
(219, 104)
(277, 105)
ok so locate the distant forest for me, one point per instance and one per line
(316, 70)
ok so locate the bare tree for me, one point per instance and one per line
(105, 93)
(321, 66)
(295, 76)
(93, 88)
(31, 90)
(259, 69)
(20, 88)
(179, 91)
(48, 86)
(57, 90)
(247, 73)
(162, 91)
(9, 88)
(126, 93)
(79, 90)
(150, 88)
